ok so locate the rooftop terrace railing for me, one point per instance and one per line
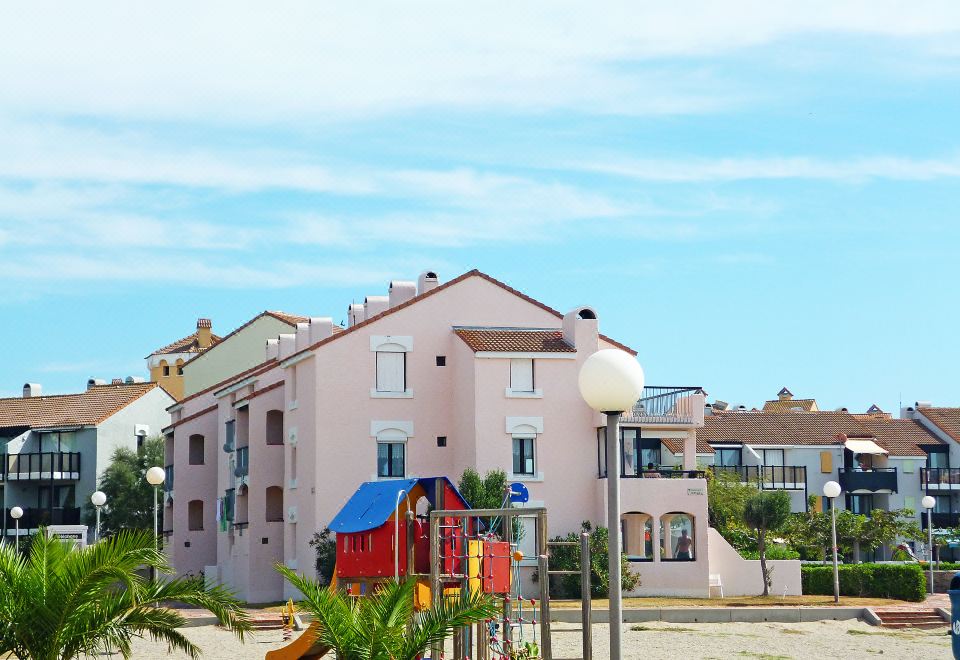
(667, 405)
(877, 479)
(42, 466)
(940, 478)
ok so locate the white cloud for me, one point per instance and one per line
(688, 170)
(305, 59)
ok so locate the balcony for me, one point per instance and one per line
(868, 481)
(242, 468)
(34, 518)
(769, 477)
(940, 478)
(46, 466)
(658, 473)
(668, 405)
(941, 520)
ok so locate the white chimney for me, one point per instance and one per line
(355, 314)
(273, 349)
(93, 382)
(401, 292)
(427, 281)
(288, 344)
(130, 380)
(303, 336)
(321, 327)
(31, 390)
(581, 321)
(918, 404)
(373, 305)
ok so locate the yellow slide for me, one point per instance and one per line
(302, 648)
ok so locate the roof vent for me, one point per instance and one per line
(721, 405)
(741, 408)
(918, 404)
(355, 314)
(784, 394)
(374, 305)
(117, 381)
(130, 380)
(94, 382)
(204, 323)
(31, 390)
(427, 281)
(843, 409)
(401, 292)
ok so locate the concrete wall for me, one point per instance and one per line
(234, 354)
(742, 577)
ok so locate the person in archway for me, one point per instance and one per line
(684, 544)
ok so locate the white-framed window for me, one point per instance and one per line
(524, 463)
(391, 459)
(391, 371)
(521, 375)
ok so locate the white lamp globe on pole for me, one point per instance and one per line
(155, 477)
(98, 499)
(611, 381)
(832, 490)
(17, 513)
(928, 502)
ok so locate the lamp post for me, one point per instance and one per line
(16, 513)
(98, 499)
(611, 381)
(155, 477)
(928, 503)
(832, 489)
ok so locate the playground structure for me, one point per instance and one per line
(452, 550)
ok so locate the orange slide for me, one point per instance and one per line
(302, 648)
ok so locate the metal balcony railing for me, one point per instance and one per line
(34, 518)
(667, 405)
(242, 468)
(42, 466)
(875, 480)
(769, 477)
(941, 520)
(660, 473)
(940, 478)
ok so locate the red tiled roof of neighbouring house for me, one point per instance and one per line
(514, 340)
(945, 419)
(675, 445)
(188, 344)
(84, 409)
(786, 405)
(899, 437)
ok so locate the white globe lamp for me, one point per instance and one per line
(611, 381)
(928, 502)
(98, 499)
(155, 476)
(17, 513)
(832, 490)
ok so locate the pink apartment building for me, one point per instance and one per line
(426, 381)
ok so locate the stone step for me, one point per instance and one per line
(910, 619)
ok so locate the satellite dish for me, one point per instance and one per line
(519, 493)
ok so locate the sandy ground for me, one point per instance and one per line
(761, 641)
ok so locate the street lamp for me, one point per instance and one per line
(16, 513)
(928, 503)
(155, 477)
(611, 381)
(98, 499)
(832, 489)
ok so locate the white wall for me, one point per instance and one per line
(742, 577)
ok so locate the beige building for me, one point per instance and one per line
(238, 351)
(166, 364)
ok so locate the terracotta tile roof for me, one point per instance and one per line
(945, 419)
(514, 340)
(786, 405)
(675, 445)
(292, 319)
(442, 287)
(900, 437)
(84, 409)
(188, 344)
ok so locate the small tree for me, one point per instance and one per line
(485, 492)
(766, 511)
(324, 544)
(129, 496)
(567, 558)
(727, 496)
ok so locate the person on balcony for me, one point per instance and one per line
(651, 472)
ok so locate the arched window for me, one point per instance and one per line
(195, 515)
(196, 449)
(164, 368)
(637, 533)
(274, 427)
(274, 508)
(180, 367)
(677, 537)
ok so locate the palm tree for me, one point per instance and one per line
(63, 603)
(383, 625)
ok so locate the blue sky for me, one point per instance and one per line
(753, 195)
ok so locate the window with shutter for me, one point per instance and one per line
(521, 374)
(391, 371)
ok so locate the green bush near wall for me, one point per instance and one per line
(900, 581)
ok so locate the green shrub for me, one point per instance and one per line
(900, 581)
(773, 552)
